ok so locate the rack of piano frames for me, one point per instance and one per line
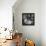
(19, 40)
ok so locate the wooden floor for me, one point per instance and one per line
(9, 43)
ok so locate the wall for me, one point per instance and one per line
(43, 22)
(29, 32)
(6, 13)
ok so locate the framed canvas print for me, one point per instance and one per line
(28, 18)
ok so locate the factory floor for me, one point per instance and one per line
(8, 43)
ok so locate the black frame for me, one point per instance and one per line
(28, 18)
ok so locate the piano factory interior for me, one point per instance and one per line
(22, 23)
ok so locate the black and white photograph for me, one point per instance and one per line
(28, 18)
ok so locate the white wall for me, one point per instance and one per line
(6, 13)
(30, 32)
(43, 22)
